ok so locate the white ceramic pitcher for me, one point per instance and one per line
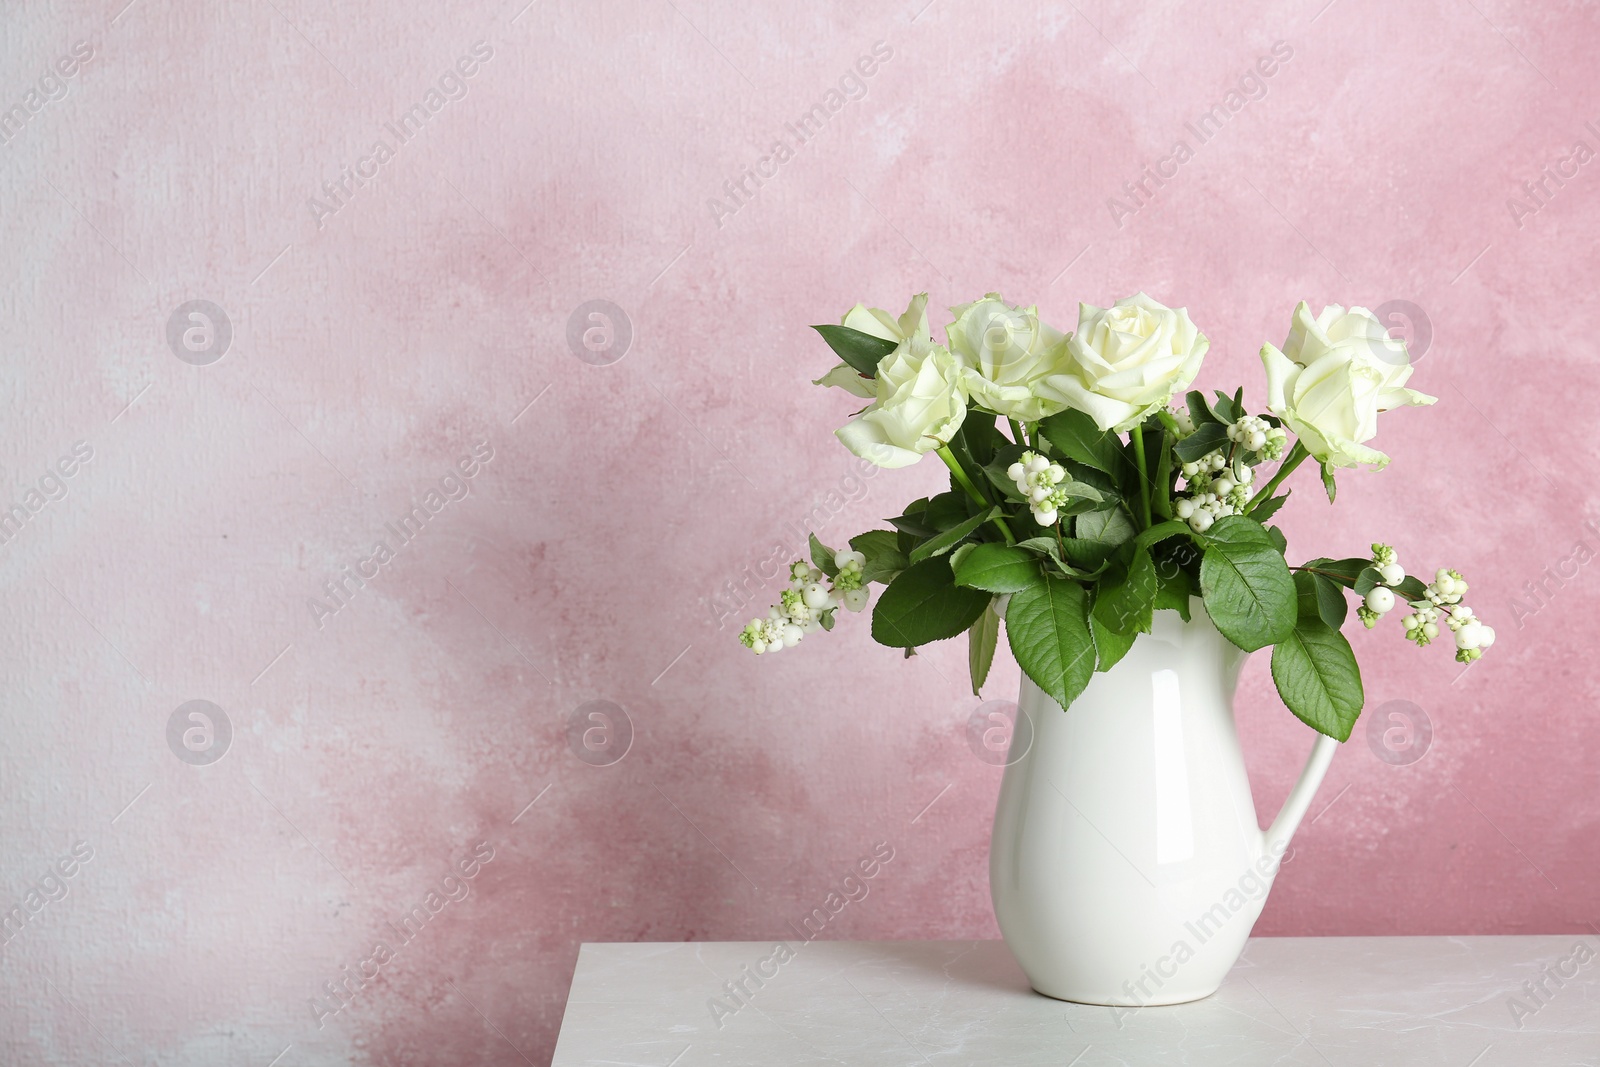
(1126, 865)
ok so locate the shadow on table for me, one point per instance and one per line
(980, 964)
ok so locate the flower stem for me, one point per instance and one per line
(1296, 456)
(965, 483)
(1017, 434)
(1164, 484)
(1144, 475)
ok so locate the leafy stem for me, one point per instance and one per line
(1164, 469)
(1137, 437)
(1296, 456)
(961, 479)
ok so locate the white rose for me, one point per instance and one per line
(1125, 362)
(1335, 373)
(1004, 351)
(879, 323)
(919, 407)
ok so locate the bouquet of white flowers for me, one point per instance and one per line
(1080, 503)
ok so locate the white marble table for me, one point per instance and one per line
(1357, 1001)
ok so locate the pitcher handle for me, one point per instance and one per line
(1276, 838)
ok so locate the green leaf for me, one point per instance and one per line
(1368, 580)
(914, 526)
(884, 558)
(1412, 589)
(1048, 628)
(1048, 550)
(944, 542)
(1125, 607)
(1346, 571)
(1199, 410)
(1226, 409)
(923, 604)
(1206, 439)
(1103, 483)
(1320, 597)
(1248, 590)
(1109, 646)
(1173, 590)
(976, 443)
(947, 509)
(1279, 541)
(913, 520)
(1109, 527)
(861, 350)
(822, 557)
(1160, 532)
(1076, 489)
(981, 642)
(996, 469)
(1081, 497)
(1317, 677)
(1268, 508)
(1075, 436)
(1085, 555)
(1039, 546)
(995, 568)
(874, 542)
(1327, 482)
(1331, 604)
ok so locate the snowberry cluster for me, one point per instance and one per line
(1255, 434)
(807, 605)
(1444, 595)
(1380, 601)
(1038, 479)
(1441, 600)
(1212, 489)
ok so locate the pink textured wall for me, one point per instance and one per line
(383, 333)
